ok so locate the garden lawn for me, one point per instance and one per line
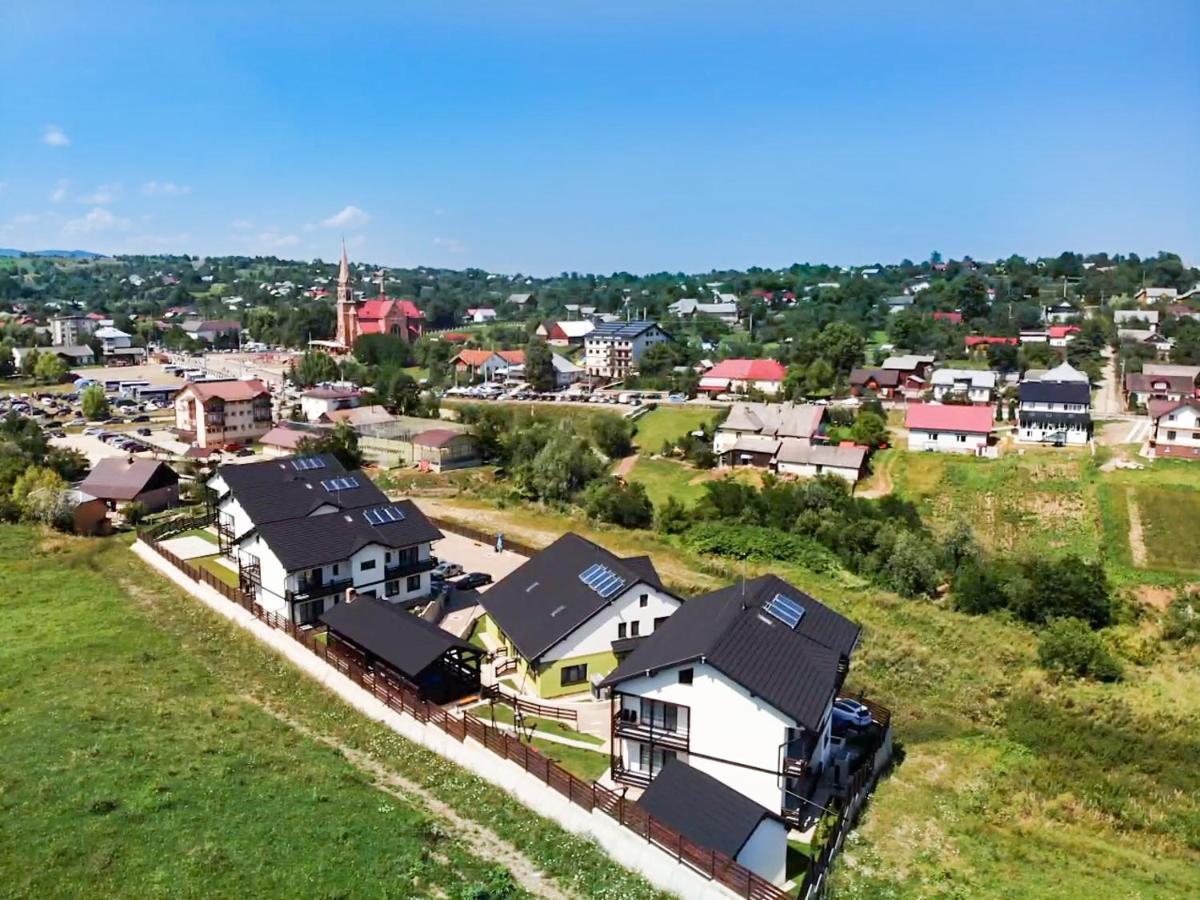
(665, 478)
(214, 565)
(504, 714)
(669, 423)
(152, 748)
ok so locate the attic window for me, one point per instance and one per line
(785, 609)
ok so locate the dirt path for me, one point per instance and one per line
(1137, 542)
(482, 842)
(625, 465)
(881, 483)
(1108, 395)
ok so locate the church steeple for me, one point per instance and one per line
(347, 309)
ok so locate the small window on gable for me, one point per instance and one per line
(685, 676)
(643, 600)
(621, 630)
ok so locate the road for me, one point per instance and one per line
(1108, 403)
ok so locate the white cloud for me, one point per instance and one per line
(349, 217)
(105, 193)
(273, 240)
(27, 218)
(99, 219)
(450, 245)
(165, 188)
(59, 194)
(241, 224)
(54, 136)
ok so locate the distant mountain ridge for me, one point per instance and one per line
(68, 254)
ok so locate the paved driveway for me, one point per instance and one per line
(474, 556)
(91, 447)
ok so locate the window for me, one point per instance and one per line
(414, 583)
(643, 600)
(392, 588)
(961, 438)
(621, 630)
(387, 558)
(653, 761)
(1170, 435)
(366, 565)
(574, 674)
(659, 621)
(685, 676)
(659, 715)
(335, 568)
(635, 629)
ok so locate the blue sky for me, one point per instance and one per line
(637, 136)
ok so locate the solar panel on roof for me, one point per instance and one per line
(785, 609)
(603, 580)
(340, 484)
(382, 515)
(307, 463)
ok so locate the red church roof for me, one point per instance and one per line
(954, 318)
(382, 307)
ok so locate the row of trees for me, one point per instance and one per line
(33, 475)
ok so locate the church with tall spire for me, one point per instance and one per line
(380, 315)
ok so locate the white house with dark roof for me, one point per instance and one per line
(614, 349)
(976, 385)
(740, 684)
(567, 616)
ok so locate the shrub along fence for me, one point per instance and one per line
(404, 699)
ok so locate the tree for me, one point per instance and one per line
(619, 503)
(29, 363)
(1070, 647)
(560, 469)
(912, 568)
(342, 442)
(841, 345)
(612, 435)
(399, 391)
(971, 296)
(313, 367)
(869, 429)
(539, 366)
(49, 368)
(39, 493)
(658, 361)
(1182, 620)
(134, 513)
(94, 403)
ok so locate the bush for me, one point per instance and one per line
(1036, 590)
(612, 436)
(1182, 620)
(758, 542)
(619, 503)
(912, 567)
(1070, 647)
(672, 517)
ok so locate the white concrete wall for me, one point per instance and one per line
(1185, 423)
(765, 853)
(810, 471)
(726, 723)
(597, 634)
(946, 441)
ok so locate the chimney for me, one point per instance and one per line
(351, 593)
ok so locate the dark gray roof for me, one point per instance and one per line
(796, 670)
(543, 601)
(1055, 392)
(620, 330)
(320, 540)
(275, 490)
(883, 377)
(703, 809)
(404, 641)
(124, 478)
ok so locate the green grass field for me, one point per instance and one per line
(216, 567)
(152, 748)
(1166, 497)
(669, 423)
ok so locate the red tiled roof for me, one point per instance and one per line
(1159, 408)
(282, 436)
(512, 357)
(1061, 331)
(229, 391)
(974, 339)
(949, 417)
(952, 317)
(748, 370)
(382, 307)
(472, 357)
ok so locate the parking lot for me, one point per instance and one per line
(89, 445)
(473, 556)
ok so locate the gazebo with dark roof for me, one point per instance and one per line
(443, 668)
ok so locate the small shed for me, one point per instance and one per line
(442, 667)
(443, 448)
(120, 481)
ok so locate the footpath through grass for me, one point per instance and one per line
(150, 748)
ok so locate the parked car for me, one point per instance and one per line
(140, 419)
(473, 580)
(851, 712)
(448, 570)
(144, 432)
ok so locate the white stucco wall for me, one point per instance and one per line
(765, 853)
(811, 471)
(946, 441)
(597, 634)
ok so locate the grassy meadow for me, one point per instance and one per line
(152, 748)
(669, 423)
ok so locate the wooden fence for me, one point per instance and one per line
(484, 537)
(406, 700)
(529, 707)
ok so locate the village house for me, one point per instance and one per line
(319, 401)
(564, 619)
(887, 384)
(519, 300)
(1175, 428)
(977, 344)
(975, 385)
(689, 308)
(1141, 387)
(741, 376)
(1061, 335)
(112, 339)
(480, 314)
(566, 373)
(1135, 317)
(70, 331)
(443, 449)
(222, 413)
(1149, 338)
(613, 349)
(899, 302)
(740, 685)
(566, 332)
(284, 439)
(1150, 295)
(948, 428)
(122, 481)
(766, 420)
(212, 331)
(1055, 409)
(486, 364)
(1059, 313)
